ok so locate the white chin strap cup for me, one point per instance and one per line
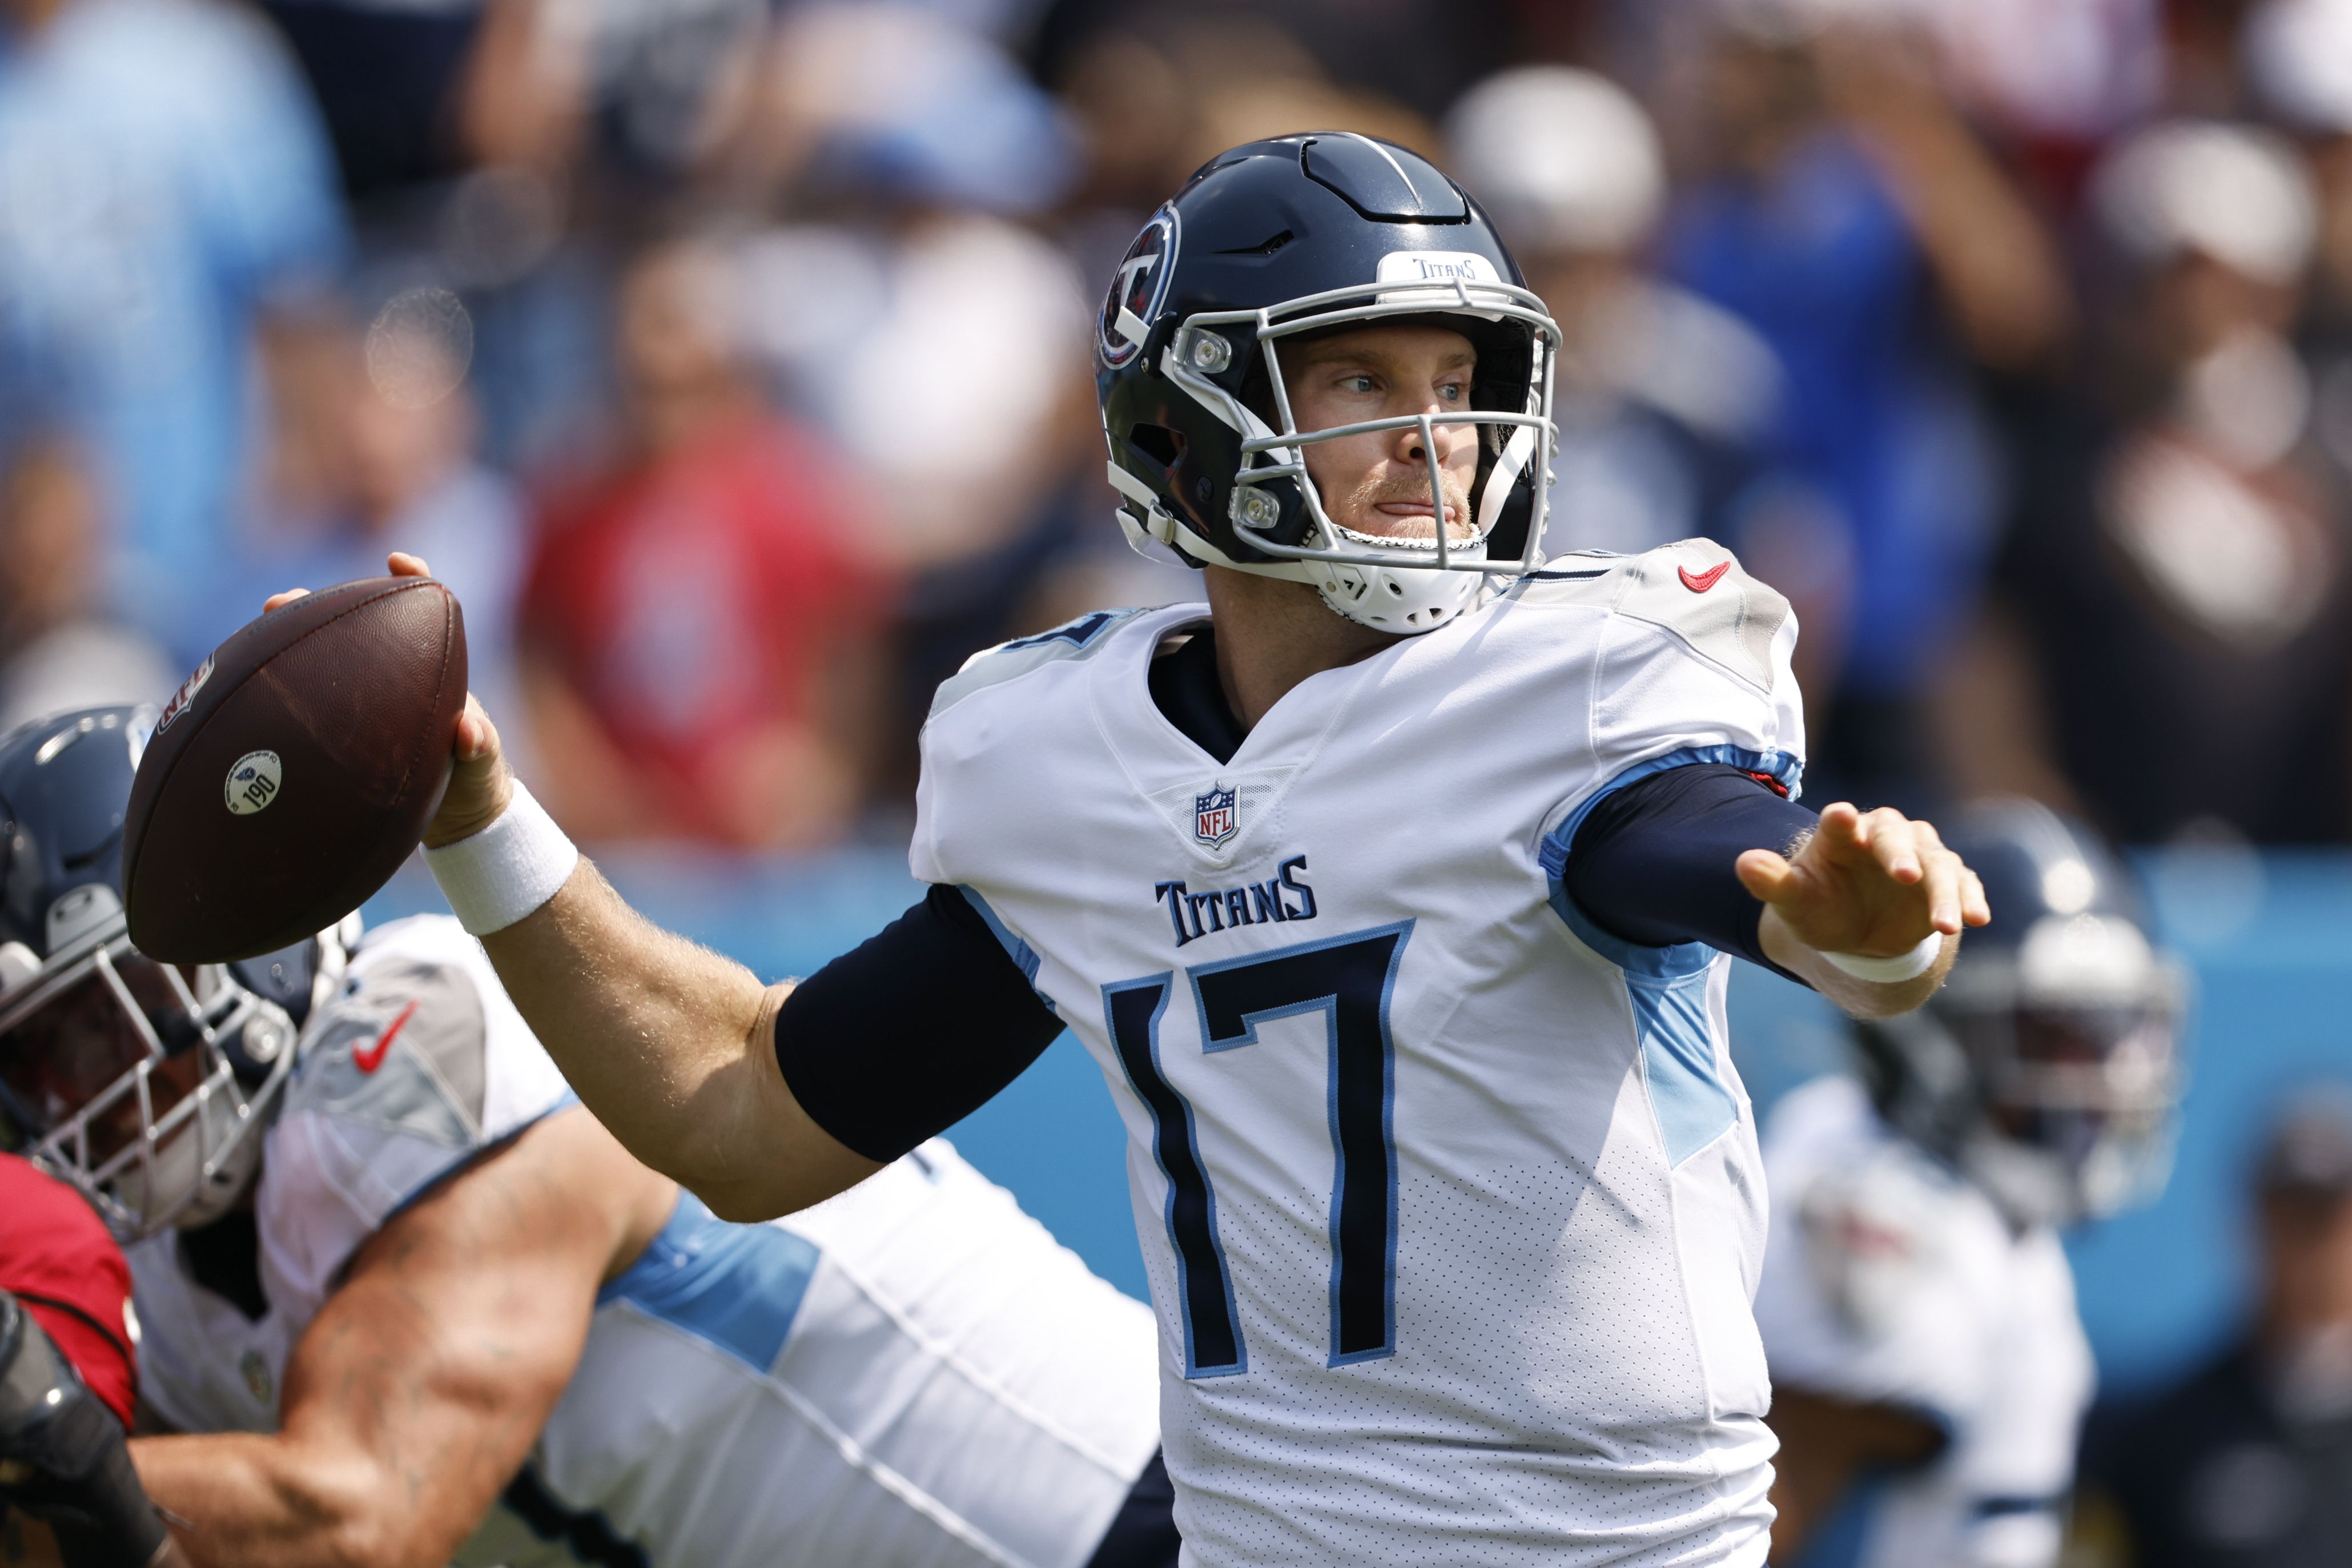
(1407, 599)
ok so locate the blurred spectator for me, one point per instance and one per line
(162, 185)
(2299, 62)
(56, 650)
(896, 104)
(2059, 77)
(1838, 186)
(1158, 92)
(399, 473)
(1418, 56)
(387, 75)
(2176, 573)
(2203, 63)
(1665, 402)
(2248, 1463)
(939, 345)
(698, 621)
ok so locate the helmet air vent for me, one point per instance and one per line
(1266, 247)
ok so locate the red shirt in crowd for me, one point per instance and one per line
(57, 1257)
(697, 597)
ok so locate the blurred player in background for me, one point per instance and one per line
(1929, 1371)
(2247, 1463)
(69, 1371)
(434, 1314)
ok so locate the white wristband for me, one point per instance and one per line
(508, 869)
(1892, 971)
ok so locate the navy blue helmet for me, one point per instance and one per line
(2048, 1067)
(145, 1085)
(1299, 237)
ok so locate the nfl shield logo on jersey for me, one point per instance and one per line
(1216, 818)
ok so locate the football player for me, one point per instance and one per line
(426, 1310)
(1929, 1372)
(1389, 888)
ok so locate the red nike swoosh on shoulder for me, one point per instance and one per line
(1700, 581)
(368, 1058)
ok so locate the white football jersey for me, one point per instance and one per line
(1892, 1280)
(911, 1374)
(1450, 1201)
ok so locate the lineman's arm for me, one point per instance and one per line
(417, 1391)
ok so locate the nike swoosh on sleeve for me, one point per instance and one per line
(367, 1059)
(1700, 581)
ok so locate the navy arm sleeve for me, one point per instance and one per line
(1653, 862)
(913, 1031)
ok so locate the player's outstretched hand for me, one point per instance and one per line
(479, 782)
(1870, 883)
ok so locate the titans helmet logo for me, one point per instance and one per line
(1137, 291)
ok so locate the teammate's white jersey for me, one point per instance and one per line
(1450, 1203)
(1892, 1280)
(913, 1373)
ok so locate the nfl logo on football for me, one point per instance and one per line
(1214, 817)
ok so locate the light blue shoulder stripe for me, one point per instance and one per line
(1020, 952)
(738, 1286)
(1667, 985)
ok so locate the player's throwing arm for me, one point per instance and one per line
(669, 1044)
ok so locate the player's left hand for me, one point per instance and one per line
(1870, 883)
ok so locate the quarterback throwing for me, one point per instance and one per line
(1392, 888)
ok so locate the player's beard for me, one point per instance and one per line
(1355, 510)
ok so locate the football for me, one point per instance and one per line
(294, 771)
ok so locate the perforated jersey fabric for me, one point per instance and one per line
(1891, 1280)
(1450, 1201)
(912, 1375)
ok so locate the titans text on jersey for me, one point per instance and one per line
(1279, 899)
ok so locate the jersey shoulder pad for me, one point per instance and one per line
(414, 1068)
(404, 1048)
(1694, 588)
(1077, 639)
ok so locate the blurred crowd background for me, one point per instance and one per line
(729, 358)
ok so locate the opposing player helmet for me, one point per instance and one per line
(2048, 1067)
(145, 1085)
(1305, 235)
